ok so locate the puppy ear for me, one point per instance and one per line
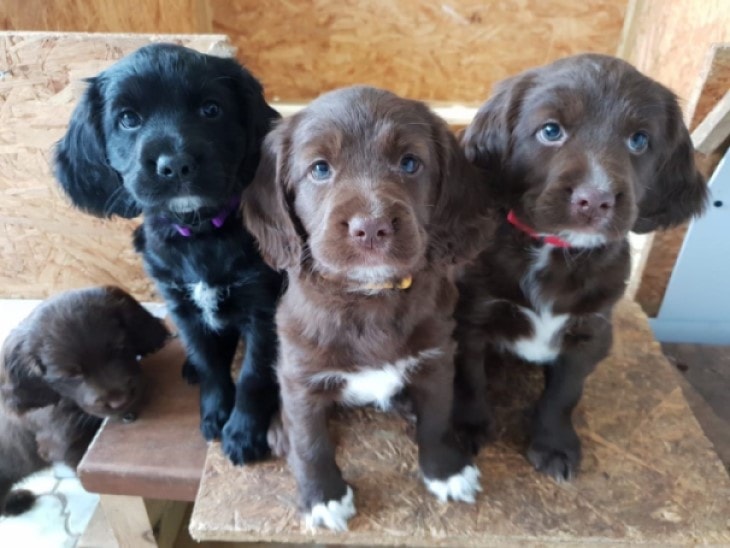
(461, 221)
(678, 190)
(257, 116)
(266, 211)
(487, 140)
(144, 332)
(80, 163)
(22, 386)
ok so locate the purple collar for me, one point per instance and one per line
(218, 221)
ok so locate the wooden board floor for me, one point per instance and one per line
(649, 475)
(704, 372)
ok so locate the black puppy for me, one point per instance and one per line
(175, 135)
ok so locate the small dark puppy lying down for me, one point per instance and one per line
(175, 135)
(71, 363)
(367, 201)
(582, 151)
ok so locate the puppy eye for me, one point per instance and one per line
(410, 164)
(551, 134)
(210, 109)
(130, 119)
(638, 142)
(321, 170)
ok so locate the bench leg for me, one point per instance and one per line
(129, 522)
(132, 522)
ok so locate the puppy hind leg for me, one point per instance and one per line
(257, 396)
(471, 413)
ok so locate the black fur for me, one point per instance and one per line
(175, 135)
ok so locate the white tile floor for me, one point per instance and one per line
(59, 517)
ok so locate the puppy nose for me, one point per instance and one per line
(369, 232)
(176, 166)
(591, 201)
(119, 400)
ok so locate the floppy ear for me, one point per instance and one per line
(266, 211)
(487, 140)
(257, 115)
(80, 163)
(144, 332)
(678, 190)
(22, 386)
(462, 221)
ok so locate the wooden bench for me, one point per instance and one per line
(649, 474)
(148, 471)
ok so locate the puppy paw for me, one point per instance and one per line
(189, 373)
(212, 422)
(560, 463)
(333, 514)
(244, 438)
(18, 502)
(462, 486)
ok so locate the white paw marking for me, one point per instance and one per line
(333, 514)
(462, 486)
(376, 385)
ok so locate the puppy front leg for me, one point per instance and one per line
(326, 499)
(257, 396)
(211, 354)
(447, 469)
(471, 409)
(555, 448)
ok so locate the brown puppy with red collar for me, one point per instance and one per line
(584, 150)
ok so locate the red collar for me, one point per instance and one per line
(546, 238)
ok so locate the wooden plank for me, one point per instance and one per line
(649, 473)
(425, 49)
(714, 130)
(158, 16)
(672, 39)
(161, 454)
(128, 520)
(47, 246)
(98, 533)
(714, 82)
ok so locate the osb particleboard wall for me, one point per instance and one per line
(428, 49)
(425, 49)
(45, 245)
(673, 42)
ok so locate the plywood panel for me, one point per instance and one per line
(152, 16)
(649, 477)
(671, 42)
(424, 49)
(714, 83)
(45, 245)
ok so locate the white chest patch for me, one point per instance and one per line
(544, 344)
(376, 385)
(206, 299)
